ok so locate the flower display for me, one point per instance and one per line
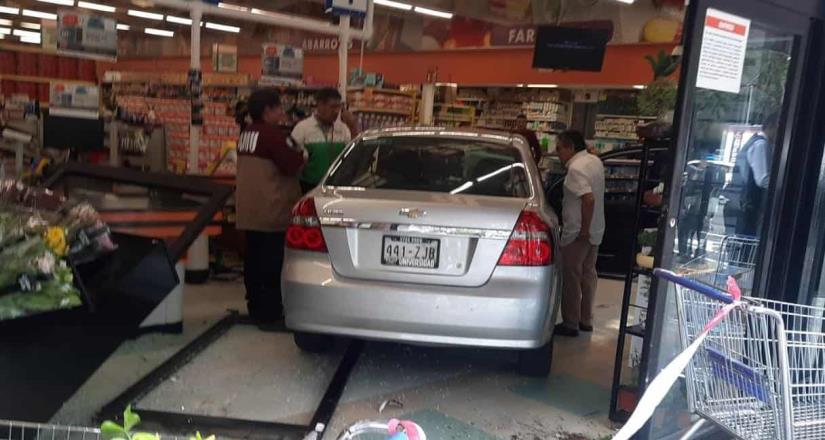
(40, 233)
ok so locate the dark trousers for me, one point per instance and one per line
(262, 273)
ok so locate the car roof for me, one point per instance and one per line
(464, 133)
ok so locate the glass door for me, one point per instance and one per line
(738, 88)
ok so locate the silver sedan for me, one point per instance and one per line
(427, 236)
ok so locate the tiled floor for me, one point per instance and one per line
(452, 393)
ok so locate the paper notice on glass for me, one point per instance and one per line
(722, 57)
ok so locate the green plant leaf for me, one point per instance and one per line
(130, 419)
(145, 436)
(112, 431)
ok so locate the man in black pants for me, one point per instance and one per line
(267, 188)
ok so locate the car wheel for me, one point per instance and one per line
(313, 343)
(536, 362)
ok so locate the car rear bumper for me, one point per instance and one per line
(512, 310)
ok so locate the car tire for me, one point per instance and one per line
(313, 343)
(536, 362)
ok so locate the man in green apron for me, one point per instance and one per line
(323, 135)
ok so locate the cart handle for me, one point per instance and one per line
(694, 285)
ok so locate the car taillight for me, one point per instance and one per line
(530, 243)
(304, 231)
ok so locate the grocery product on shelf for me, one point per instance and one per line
(376, 108)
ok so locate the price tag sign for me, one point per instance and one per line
(722, 57)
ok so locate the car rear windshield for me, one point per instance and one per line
(443, 165)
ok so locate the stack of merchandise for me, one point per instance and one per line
(40, 233)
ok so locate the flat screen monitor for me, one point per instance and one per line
(79, 134)
(567, 48)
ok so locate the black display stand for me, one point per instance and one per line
(45, 358)
(642, 215)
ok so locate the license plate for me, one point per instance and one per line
(410, 252)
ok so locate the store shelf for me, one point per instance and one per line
(637, 330)
(380, 110)
(43, 79)
(376, 90)
(627, 117)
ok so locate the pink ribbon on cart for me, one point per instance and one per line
(659, 387)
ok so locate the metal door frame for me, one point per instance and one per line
(796, 123)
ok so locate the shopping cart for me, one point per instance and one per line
(383, 430)
(760, 373)
(721, 256)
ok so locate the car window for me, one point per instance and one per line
(443, 165)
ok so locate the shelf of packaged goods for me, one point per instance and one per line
(375, 90)
(452, 119)
(387, 111)
(617, 138)
(44, 80)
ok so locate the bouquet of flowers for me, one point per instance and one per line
(39, 233)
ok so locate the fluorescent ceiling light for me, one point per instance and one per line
(59, 2)
(123, 27)
(26, 25)
(433, 12)
(392, 4)
(143, 14)
(159, 32)
(640, 86)
(627, 2)
(96, 6)
(32, 40)
(233, 7)
(38, 14)
(8, 10)
(222, 27)
(4, 22)
(260, 11)
(5, 31)
(179, 20)
(542, 86)
(29, 34)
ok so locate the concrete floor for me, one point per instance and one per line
(452, 393)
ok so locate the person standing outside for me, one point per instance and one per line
(582, 232)
(529, 135)
(266, 190)
(323, 135)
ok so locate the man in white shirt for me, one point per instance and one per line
(323, 135)
(582, 232)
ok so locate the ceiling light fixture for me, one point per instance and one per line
(4, 22)
(640, 86)
(123, 27)
(159, 32)
(222, 27)
(38, 14)
(26, 25)
(59, 2)
(542, 86)
(5, 31)
(233, 7)
(392, 4)
(144, 14)
(8, 10)
(21, 33)
(96, 6)
(260, 11)
(179, 20)
(31, 40)
(433, 12)
(627, 2)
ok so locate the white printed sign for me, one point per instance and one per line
(722, 58)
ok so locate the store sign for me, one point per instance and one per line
(322, 44)
(86, 35)
(74, 100)
(722, 57)
(513, 36)
(350, 7)
(282, 61)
